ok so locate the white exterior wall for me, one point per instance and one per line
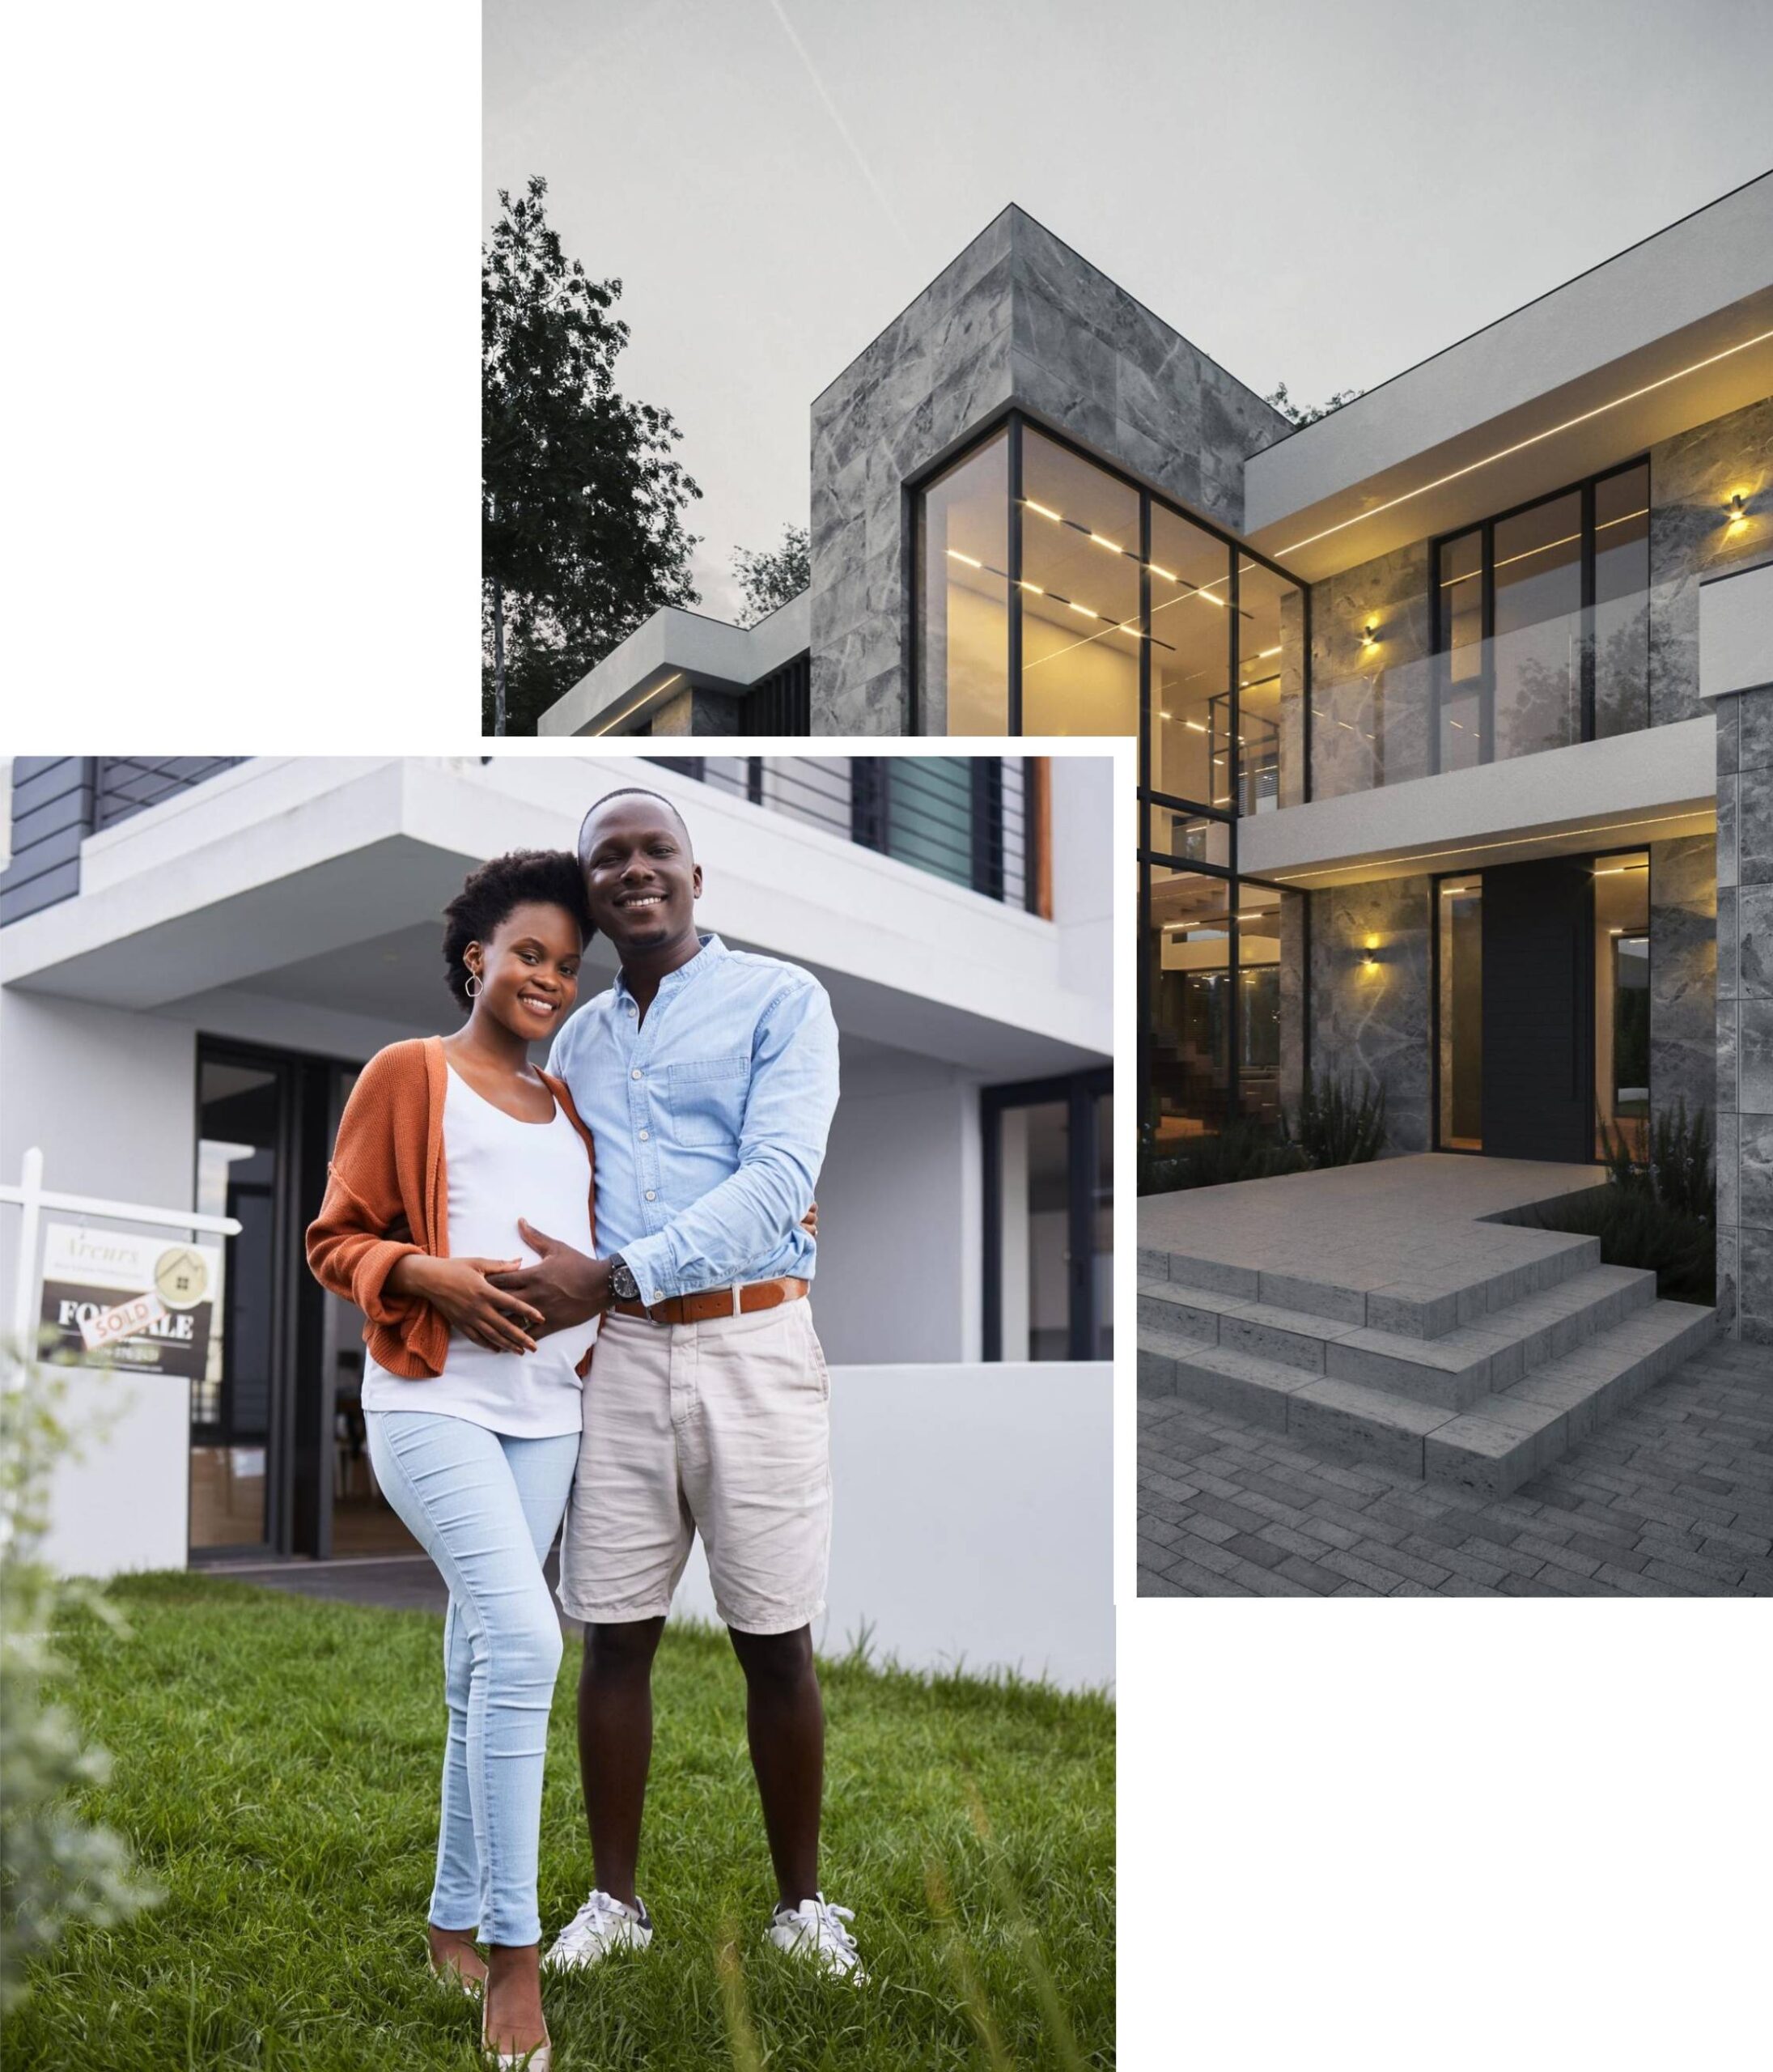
(188, 909)
(972, 1522)
(110, 1099)
(899, 1210)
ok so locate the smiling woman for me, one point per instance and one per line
(471, 1397)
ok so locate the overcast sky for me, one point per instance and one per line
(1321, 194)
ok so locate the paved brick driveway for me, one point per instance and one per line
(1674, 1499)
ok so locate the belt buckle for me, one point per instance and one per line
(738, 1290)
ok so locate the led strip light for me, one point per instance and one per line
(1521, 445)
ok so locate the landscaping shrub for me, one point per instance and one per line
(55, 1866)
(1659, 1212)
(1241, 1151)
(1337, 1126)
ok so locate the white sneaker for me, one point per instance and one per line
(815, 1930)
(601, 1925)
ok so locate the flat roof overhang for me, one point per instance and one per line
(322, 883)
(1651, 786)
(1674, 333)
(674, 652)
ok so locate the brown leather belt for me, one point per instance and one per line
(708, 1303)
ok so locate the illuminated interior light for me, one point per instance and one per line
(955, 554)
(1034, 586)
(1083, 610)
(1521, 445)
(1164, 715)
(1267, 654)
(1113, 546)
(1193, 726)
(1163, 572)
(1043, 509)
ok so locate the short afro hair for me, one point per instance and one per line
(491, 894)
(631, 791)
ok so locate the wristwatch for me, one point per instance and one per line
(622, 1283)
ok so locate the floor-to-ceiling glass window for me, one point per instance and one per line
(963, 589)
(1048, 1155)
(241, 1171)
(1621, 1016)
(1079, 591)
(1459, 1011)
(1541, 618)
(1622, 601)
(1054, 595)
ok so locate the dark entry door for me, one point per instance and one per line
(1539, 1009)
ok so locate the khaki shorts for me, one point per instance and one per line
(722, 1429)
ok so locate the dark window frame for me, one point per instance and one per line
(1645, 849)
(1080, 1091)
(1438, 628)
(1016, 418)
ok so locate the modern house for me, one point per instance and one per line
(196, 957)
(1456, 767)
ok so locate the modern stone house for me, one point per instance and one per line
(1452, 768)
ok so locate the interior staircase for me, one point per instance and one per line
(1481, 1382)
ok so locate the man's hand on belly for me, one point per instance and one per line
(565, 1286)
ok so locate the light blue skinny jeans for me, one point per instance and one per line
(486, 1507)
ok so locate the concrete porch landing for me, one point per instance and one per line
(1379, 1313)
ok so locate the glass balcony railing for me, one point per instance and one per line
(1584, 675)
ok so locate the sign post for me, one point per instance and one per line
(150, 1310)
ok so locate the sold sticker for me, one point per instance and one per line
(121, 1320)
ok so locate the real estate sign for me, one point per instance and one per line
(114, 1299)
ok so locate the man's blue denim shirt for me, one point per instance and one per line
(708, 1118)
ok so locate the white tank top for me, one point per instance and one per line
(498, 1169)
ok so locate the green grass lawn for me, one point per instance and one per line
(275, 1768)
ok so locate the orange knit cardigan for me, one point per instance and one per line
(388, 1194)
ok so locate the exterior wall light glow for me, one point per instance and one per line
(1738, 512)
(1369, 634)
(955, 554)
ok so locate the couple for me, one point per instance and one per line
(682, 1120)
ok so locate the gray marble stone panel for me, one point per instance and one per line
(1727, 965)
(1683, 973)
(1727, 1093)
(1751, 712)
(1754, 1284)
(1755, 942)
(1728, 1167)
(1693, 477)
(1754, 827)
(1754, 1207)
(1755, 1068)
(1728, 873)
(1370, 1023)
(1017, 316)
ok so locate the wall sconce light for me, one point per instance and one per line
(1738, 512)
(1369, 958)
(1369, 634)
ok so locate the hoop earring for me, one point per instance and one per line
(475, 982)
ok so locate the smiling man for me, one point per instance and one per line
(708, 1078)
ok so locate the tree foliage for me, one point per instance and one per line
(767, 581)
(1300, 413)
(582, 503)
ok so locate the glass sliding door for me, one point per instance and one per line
(242, 1162)
(1048, 1218)
(1459, 1011)
(1622, 1007)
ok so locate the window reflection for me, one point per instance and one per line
(1621, 605)
(1191, 739)
(1188, 946)
(1537, 649)
(1080, 607)
(1270, 689)
(963, 594)
(1622, 1019)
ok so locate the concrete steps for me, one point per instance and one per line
(1479, 1385)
